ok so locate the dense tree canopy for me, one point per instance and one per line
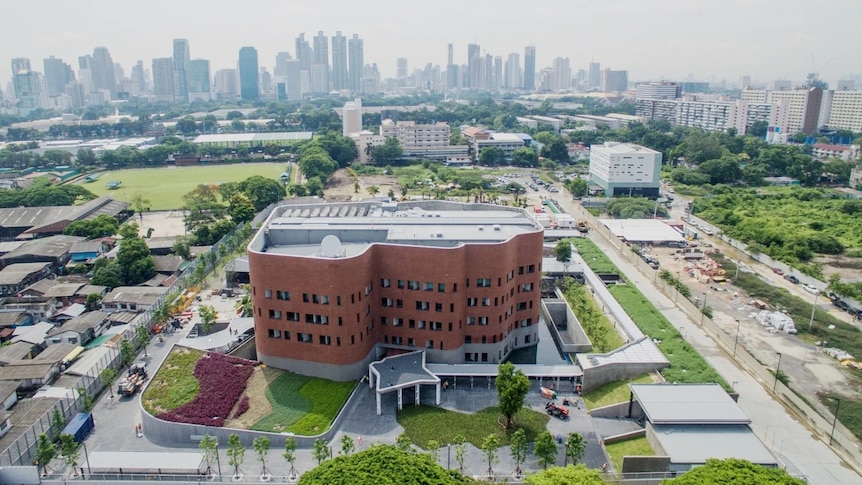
(572, 474)
(383, 465)
(512, 386)
(100, 226)
(135, 261)
(734, 472)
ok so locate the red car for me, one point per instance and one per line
(778, 271)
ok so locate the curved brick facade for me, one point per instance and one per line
(331, 317)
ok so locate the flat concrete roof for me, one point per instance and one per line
(688, 404)
(696, 444)
(299, 229)
(490, 370)
(250, 137)
(650, 230)
(400, 371)
(219, 340)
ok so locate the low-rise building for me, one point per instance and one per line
(132, 298)
(15, 277)
(844, 152)
(625, 169)
(80, 330)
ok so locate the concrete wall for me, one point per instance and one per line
(618, 410)
(597, 376)
(640, 433)
(245, 350)
(166, 433)
(645, 464)
(565, 328)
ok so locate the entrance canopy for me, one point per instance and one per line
(398, 372)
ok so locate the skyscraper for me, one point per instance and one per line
(357, 62)
(281, 59)
(139, 78)
(498, 73)
(339, 62)
(304, 53)
(513, 71)
(450, 59)
(85, 72)
(181, 68)
(226, 83)
(530, 67)
(320, 66)
(401, 68)
(20, 65)
(163, 78)
(562, 74)
(474, 59)
(595, 75)
(248, 74)
(292, 80)
(198, 77)
(57, 74)
(102, 72)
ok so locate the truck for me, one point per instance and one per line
(133, 382)
(80, 426)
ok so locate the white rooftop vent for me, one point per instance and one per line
(496, 227)
(481, 228)
(330, 247)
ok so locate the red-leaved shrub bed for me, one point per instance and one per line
(222, 381)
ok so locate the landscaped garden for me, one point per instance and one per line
(614, 392)
(211, 389)
(596, 325)
(424, 423)
(686, 364)
(633, 447)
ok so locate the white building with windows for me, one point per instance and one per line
(625, 169)
(414, 136)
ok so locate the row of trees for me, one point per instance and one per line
(43, 193)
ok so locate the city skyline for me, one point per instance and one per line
(651, 40)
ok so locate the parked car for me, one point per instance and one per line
(811, 289)
(792, 279)
(778, 271)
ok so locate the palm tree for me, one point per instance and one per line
(373, 190)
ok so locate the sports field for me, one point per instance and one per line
(165, 186)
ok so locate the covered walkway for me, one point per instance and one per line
(400, 372)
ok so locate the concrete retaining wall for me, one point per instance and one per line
(617, 410)
(245, 350)
(562, 320)
(640, 433)
(598, 376)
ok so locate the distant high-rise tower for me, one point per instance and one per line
(562, 80)
(293, 80)
(401, 68)
(595, 75)
(339, 62)
(139, 78)
(248, 73)
(304, 53)
(163, 78)
(530, 67)
(357, 62)
(104, 76)
(281, 59)
(198, 78)
(450, 58)
(20, 65)
(498, 74)
(181, 69)
(474, 72)
(227, 83)
(57, 74)
(513, 71)
(320, 65)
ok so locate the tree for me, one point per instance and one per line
(45, 452)
(576, 445)
(290, 455)
(241, 209)
(261, 448)
(107, 377)
(490, 447)
(58, 422)
(556, 149)
(347, 445)
(261, 191)
(70, 452)
(758, 129)
(461, 451)
(433, 449)
(142, 335)
(208, 315)
(578, 187)
(127, 352)
(491, 156)
(139, 203)
(733, 471)
(381, 464)
(403, 443)
(85, 157)
(209, 451)
(388, 152)
(235, 454)
(545, 449)
(563, 251)
(108, 274)
(512, 386)
(315, 162)
(320, 452)
(373, 190)
(134, 258)
(100, 226)
(518, 448)
(557, 475)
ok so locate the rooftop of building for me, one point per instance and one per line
(303, 229)
(145, 295)
(50, 247)
(616, 148)
(37, 217)
(81, 323)
(688, 404)
(16, 273)
(694, 444)
(254, 137)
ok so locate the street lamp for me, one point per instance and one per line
(736, 340)
(834, 418)
(813, 309)
(777, 370)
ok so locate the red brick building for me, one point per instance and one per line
(336, 286)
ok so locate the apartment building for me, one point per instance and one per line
(336, 286)
(415, 136)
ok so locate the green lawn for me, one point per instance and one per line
(613, 392)
(174, 384)
(849, 412)
(594, 257)
(424, 423)
(165, 186)
(632, 447)
(303, 405)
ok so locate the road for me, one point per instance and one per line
(791, 442)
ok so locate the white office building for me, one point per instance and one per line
(351, 117)
(625, 169)
(414, 136)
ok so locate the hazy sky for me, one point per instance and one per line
(653, 39)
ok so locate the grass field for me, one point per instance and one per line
(165, 186)
(424, 423)
(632, 447)
(303, 405)
(174, 384)
(613, 392)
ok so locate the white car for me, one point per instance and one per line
(811, 289)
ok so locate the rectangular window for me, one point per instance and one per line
(483, 320)
(486, 301)
(441, 287)
(325, 340)
(428, 286)
(397, 322)
(468, 339)
(397, 340)
(399, 303)
(385, 283)
(527, 287)
(412, 285)
(436, 326)
(386, 302)
(522, 306)
(401, 284)
(429, 344)
(420, 324)
(411, 323)
(287, 335)
(472, 301)
(383, 321)
(267, 294)
(483, 282)
(282, 295)
(531, 268)
(305, 298)
(411, 342)
(526, 339)
(520, 270)
(291, 316)
(324, 300)
(275, 314)
(316, 319)
(423, 305)
(273, 333)
(471, 320)
(438, 307)
(338, 300)
(304, 337)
